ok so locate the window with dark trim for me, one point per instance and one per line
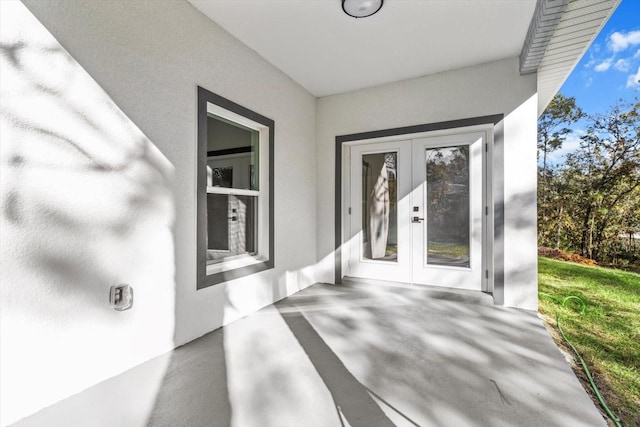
(234, 190)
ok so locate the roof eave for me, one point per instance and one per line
(560, 33)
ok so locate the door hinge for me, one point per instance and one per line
(486, 210)
(349, 210)
(486, 274)
(486, 148)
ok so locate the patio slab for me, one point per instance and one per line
(361, 354)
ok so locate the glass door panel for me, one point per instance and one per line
(379, 207)
(447, 206)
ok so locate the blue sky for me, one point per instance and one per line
(608, 71)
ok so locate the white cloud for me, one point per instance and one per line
(634, 79)
(604, 65)
(622, 65)
(637, 54)
(621, 41)
(570, 144)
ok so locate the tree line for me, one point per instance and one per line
(590, 203)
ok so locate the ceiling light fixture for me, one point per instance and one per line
(361, 8)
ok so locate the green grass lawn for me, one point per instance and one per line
(607, 335)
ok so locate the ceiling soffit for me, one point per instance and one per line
(327, 52)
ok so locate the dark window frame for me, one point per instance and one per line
(204, 280)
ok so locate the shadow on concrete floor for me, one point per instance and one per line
(358, 355)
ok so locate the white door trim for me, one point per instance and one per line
(487, 179)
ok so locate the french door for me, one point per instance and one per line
(416, 210)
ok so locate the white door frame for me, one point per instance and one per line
(487, 179)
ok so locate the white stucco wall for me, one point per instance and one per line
(520, 207)
(97, 184)
(98, 188)
(493, 88)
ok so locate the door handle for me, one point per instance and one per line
(416, 219)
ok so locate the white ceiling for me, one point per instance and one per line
(328, 52)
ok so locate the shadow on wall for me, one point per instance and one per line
(521, 281)
(86, 203)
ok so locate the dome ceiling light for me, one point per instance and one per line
(361, 8)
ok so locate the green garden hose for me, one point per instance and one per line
(583, 308)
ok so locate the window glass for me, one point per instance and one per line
(231, 225)
(232, 162)
(232, 155)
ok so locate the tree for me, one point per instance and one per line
(552, 125)
(552, 132)
(606, 174)
(591, 203)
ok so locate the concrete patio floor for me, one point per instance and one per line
(360, 355)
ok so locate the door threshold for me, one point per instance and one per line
(438, 292)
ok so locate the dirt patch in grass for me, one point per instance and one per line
(561, 255)
(565, 256)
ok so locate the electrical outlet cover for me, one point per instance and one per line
(121, 297)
